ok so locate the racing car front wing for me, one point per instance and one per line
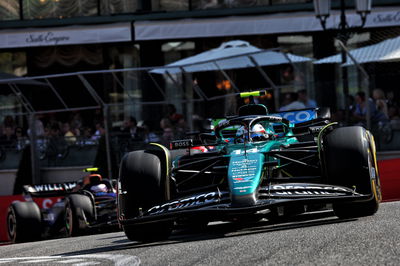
(216, 205)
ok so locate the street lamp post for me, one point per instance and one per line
(322, 12)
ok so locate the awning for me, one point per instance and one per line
(277, 23)
(230, 55)
(385, 51)
(78, 34)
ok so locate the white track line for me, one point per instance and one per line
(118, 259)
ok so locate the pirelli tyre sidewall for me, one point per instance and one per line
(11, 225)
(68, 219)
(349, 159)
(24, 222)
(82, 211)
(143, 183)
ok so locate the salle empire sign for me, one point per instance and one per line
(46, 38)
(387, 18)
(69, 35)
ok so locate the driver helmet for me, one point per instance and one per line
(258, 133)
(98, 188)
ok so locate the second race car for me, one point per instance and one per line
(63, 210)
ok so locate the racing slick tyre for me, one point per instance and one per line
(144, 184)
(23, 222)
(82, 211)
(350, 161)
(68, 219)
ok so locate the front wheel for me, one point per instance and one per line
(350, 161)
(360, 209)
(144, 183)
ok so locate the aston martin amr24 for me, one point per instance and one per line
(251, 165)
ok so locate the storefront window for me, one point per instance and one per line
(11, 66)
(170, 5)
(13, 63)
(274, 2)
(124, 92)
(41, 9)
(109, 7)
(174, 51)
(9, 10)
(299, 76)
(175, 5)
(207, 4)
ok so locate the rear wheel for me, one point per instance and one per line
(143, 181)
(11, 225)
(82, 213)
(68, 219)
(349, 157)
(23, 222)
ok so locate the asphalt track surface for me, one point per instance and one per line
(324, 240)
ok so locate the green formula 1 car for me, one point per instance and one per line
(251, 165)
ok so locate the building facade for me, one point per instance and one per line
(41, 37)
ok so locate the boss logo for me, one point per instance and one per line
(179, 144)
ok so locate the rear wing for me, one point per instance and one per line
(307, 121)
(46, 190)
(305, 115)
(299, 120)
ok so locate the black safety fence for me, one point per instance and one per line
(93, 118)
(364, 86)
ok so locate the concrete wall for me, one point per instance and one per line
(49, 175)
(7, 180)
(62, 174)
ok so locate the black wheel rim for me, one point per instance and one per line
(375, 182)
(11, 225)
(68, 221)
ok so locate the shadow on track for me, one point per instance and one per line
(223, 230)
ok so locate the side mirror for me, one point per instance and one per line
(324, 112)
(208, 138)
